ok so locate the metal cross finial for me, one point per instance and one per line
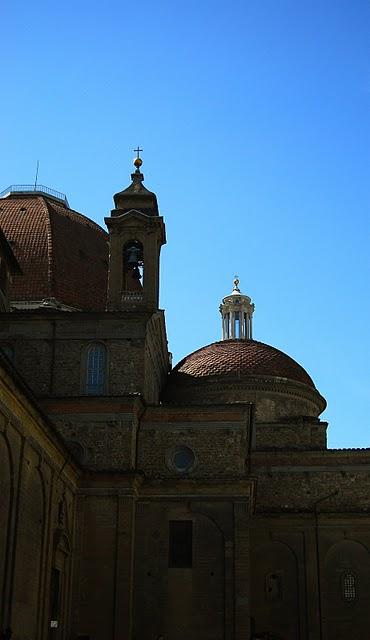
(137, 151)
(236, 282)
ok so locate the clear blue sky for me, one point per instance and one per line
(254, 120)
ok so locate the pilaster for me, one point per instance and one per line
(241, 570)
(126, 507)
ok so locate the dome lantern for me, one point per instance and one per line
(236, 311)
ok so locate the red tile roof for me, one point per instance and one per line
(63, 254)
(230, 358)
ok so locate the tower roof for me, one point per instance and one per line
(136, 196)
(63, 254)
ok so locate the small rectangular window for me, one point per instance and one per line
(348, 586)
(180, 544)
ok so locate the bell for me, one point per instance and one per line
(133, 255)
(135, 273)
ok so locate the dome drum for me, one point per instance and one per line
(275, 399)
(243, 371)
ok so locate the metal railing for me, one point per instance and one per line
(32, 188)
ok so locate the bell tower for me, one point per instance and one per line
(136, 235)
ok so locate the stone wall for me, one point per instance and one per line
(295, 481)
(102, 437)
(218, 439)
(179, 601)
(50, 351)
(37, 515)
(298, 567)
(311, 529)
(300, 433)
(124, 583)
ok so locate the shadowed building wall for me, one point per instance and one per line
(145, 501)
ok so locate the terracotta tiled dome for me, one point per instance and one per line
(237, 358)
(63, 254)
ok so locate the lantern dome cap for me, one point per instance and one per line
(236, 310)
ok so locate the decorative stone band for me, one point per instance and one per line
(45, 303)
(282, 397)
(131, 297)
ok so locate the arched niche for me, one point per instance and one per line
(274, 591)
(346, 591)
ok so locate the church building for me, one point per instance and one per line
(145, 501)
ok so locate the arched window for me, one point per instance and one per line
(133, 262)
(96, 365)
(348, 586)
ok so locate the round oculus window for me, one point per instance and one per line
(182, 459)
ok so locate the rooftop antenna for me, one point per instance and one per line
(37, 174)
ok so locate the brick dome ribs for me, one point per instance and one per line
(241, 358)
(63, 254)
(244, 371)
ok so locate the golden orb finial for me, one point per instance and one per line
(236, 283)
(138, 161)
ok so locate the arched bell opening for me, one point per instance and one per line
(133, 266)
